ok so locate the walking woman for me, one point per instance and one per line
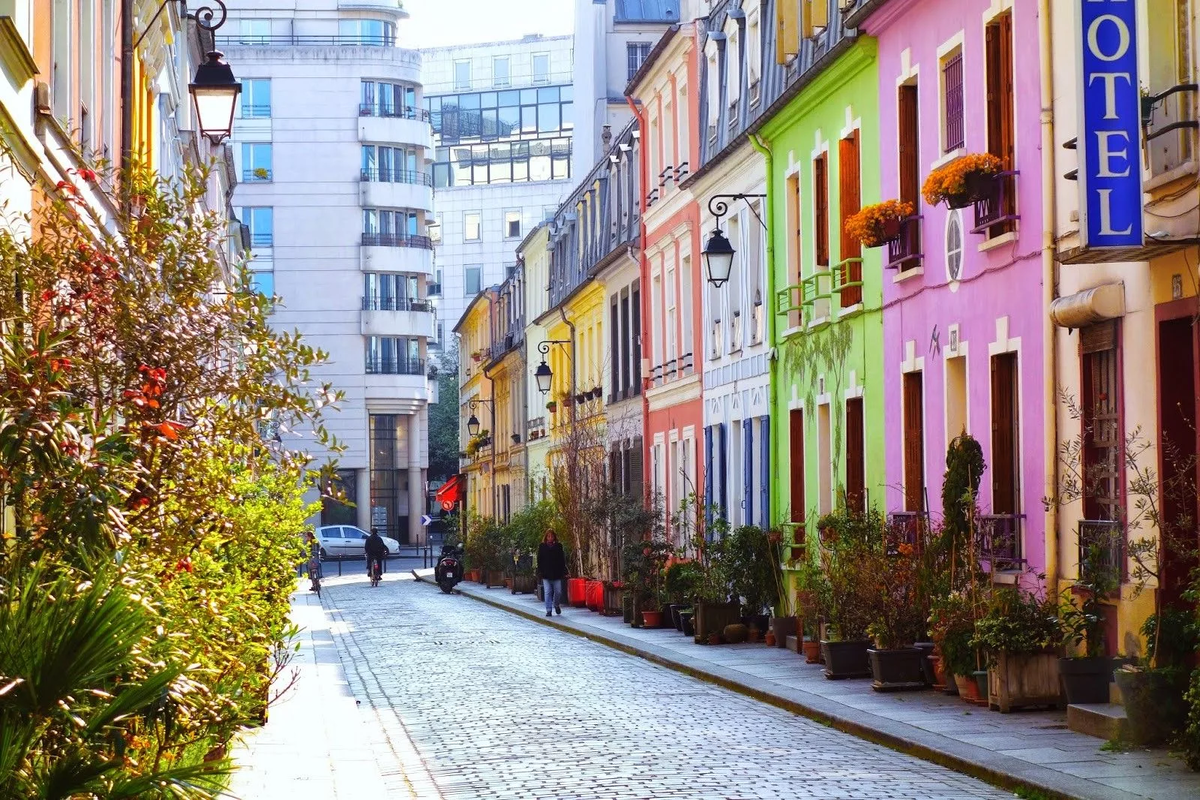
(552, 566)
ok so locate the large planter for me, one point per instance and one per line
(896, 670)
(1085, 680)
(524, 584)
(1154, 706)
(687, 622)
(494, 578)
(575, 592)
(1021, 681)
(968, 690)
(926, 649)
(674, 609)
(627, 607)
(760, 621)
(846, 659)
(652, 619)
(812, 651)
(713, 617)
(939, 673)
(783, 627)
(611, 606)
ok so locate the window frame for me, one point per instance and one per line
(478, 225)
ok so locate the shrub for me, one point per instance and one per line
(1017, 622)
(752, 562)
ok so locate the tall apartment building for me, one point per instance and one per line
(332, 145)
(503, 118)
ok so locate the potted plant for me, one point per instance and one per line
(952, 626)
(1018, 633)
(680, 585)
(751, 561)
(962, 181)
(1153, 689)
(851, 542)
(1086, 677)
(713, 607)
(876, 225)
(811, 598)
(552, 406)
(899, 619)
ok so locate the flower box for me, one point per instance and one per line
(846, 659)
(876, 225)
(1021, 681)
(895, 670)
(962, 181)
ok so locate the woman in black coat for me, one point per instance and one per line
(552, 566)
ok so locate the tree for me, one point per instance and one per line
(443, 419)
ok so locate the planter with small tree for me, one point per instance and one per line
(900, 614)
(1086, 676)
(1019, 633)
(850, 544)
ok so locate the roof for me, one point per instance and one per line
(486, 293)
(647, 11)
(651, 58)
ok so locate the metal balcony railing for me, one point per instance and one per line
(304, 40)
(1173, 111)
(385, 175)
(378, 109)
(999, 540)
(907, 527)
(395, 366)
(256, 175)
(256, 111)
(261, 239)
(396, 240)
(395, 304)
(998, 205)
(904, 252)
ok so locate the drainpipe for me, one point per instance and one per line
(762, 147)
(1049, 352)
(126, 83)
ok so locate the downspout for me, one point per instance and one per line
(126, 84)
(764, 149)
(1049, 351)
(647, 480)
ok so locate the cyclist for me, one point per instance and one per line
(314, 562)
(376, 550)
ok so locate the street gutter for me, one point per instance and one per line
(1003, 771)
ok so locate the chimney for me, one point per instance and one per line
(606, 137)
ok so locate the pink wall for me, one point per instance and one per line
(1004, 281)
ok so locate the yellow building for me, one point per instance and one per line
(507, 375)
(476, 407)
(534, 256)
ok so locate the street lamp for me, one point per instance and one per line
(543, 375)
(473, 425)
(215, 92)
(718, 252)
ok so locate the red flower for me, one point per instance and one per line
(183, 565)
(64, 186)
(88, 175)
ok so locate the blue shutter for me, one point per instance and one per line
(723, 487)
(748, 466)
(708, 477)
(764, 461)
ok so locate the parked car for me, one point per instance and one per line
(339, 541)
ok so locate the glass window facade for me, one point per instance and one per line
(256, 161)
(261, 222)
(394, 355)
(389, 479)
(473, 281)
(513, 136)
(392, 165)
(255, 99)
(371, 32)
(383, 99)
(263, 283)
(387, 291)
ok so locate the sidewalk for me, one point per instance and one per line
(1031, 749)
(317, 743)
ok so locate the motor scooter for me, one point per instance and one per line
(449, 569)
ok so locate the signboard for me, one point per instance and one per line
(426, 520)
(447, 505)
(1110, 162)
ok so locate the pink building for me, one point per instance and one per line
(963, 316)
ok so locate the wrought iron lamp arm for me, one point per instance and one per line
(718, 207)
(204, 17)
(544, 347)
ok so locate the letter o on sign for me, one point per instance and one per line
(1123, 38)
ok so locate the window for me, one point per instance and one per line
(733, 71)
(391, 165)
(821, 209)
(1005, 465)
(685, 297)
(500, 72)
(370, 32)
(512, 224)
(261, 222)
(635, 56)
(953, 127)
(796, 465)
(255, 99)
(908, 144)
(956, 396)
(1000, 102)
(1102, 435)
(849, 202)
(462, 74)
(380, 99)
(256, 161)
(472, 281)
(753, 53)
(914, 442)
(856, 457)
(255, 31)
(714, 91)
(383, 227)
(394, 355)
(471, 227)
(435, 230)
(263, 283)
(541, 68)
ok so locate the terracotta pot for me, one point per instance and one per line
(812, 651)
(752, 637)
(939, 673)
(714, 638)
(576, 588)
(652, 619)
(968, 690)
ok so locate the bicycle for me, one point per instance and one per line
(375, 570)
(314, 575)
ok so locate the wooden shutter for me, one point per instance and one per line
(787, 30)
(764, 459)
(748, 470)
(856, 483)
(914, 442)
(908, 136)
(1004, 434)
(723, 485)
(994, 91)
(849, 202)
(821, 208)
(636, 478)
(796, 462)
(708, 471)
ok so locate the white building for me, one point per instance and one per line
(612, 39)
(332, 146)
(503, 118)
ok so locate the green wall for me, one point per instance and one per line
(822, 361)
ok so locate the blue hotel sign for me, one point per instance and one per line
(1110, 163)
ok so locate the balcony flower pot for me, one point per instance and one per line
(896, 670)
(783, 627)
(846, 659)
(1022, 681)
(1154, 706)
(812, 651)
(962, 181)
(711, 618)
(576, 588)
(652, 619)
(1085, 680)
(876, 225)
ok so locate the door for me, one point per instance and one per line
(856, 482)
(914, 442)
(796, 462)
(1178, 451)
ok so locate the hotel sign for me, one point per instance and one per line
(1110, 163)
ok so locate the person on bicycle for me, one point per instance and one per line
(376, 549)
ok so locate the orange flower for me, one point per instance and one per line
(868, 224)
(951, 179)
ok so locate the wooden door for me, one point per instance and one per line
(849, 203)
(914, 442)
(856, 479)
(1005, 425)
(796, 462)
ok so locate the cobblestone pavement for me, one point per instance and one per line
(501, 707)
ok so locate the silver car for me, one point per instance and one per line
(340, 541)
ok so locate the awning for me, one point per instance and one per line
(451, 491)
(1090, 306)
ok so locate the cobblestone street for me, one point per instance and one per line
(500, 707)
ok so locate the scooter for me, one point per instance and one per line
(449, 569)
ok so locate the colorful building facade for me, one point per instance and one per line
(962, 348)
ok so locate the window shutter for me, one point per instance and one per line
(849, 202)
(992, 69)
(856, 494)
(723, 486)
(764, 459)
(787, 30)
(909, 145)
(748, 469)
(636, 477)
(796, 462)
(708, 475)
(821, 209)
(914, 443)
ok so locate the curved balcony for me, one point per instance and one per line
(390, 316)
(392, 253)
(394, 7)
(396, 189)
(390, 393)
(395, 130)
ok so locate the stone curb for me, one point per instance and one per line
(996, 769)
